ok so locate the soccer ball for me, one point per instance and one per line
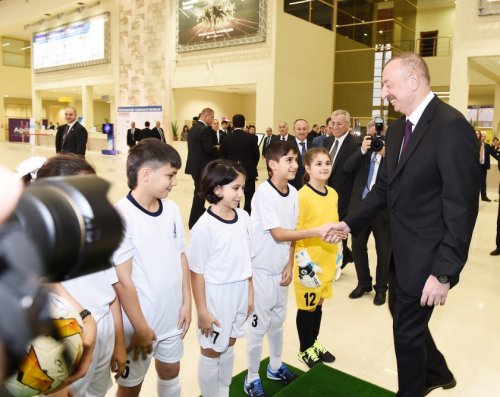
(48, 360)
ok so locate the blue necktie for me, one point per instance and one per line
(302, 148)
(370, 176)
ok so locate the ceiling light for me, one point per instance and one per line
(381, 31)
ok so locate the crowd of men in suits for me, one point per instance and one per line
(134, 134)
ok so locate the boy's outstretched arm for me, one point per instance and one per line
(144, 336)
(185, 312)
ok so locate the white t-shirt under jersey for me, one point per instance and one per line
(220, 249)
(272, 209)
(94, 291)
(155, 242)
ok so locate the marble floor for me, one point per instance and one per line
(466, 329)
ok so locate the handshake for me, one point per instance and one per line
(334, 232)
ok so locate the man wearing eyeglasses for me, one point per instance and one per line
(341, 145)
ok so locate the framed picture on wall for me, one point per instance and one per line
(488, 7)
(207, 24)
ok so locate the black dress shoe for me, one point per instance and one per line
(379, 298)
(495, 252)
(486, 199)
(359, 291)
(445, 385)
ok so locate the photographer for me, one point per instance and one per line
(365, 163)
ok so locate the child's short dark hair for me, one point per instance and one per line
(277, 150)
(309, 157)
(65, 165)
(218, 173)
(151, 152)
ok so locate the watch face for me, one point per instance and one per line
(443, 279)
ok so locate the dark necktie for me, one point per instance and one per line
(65, 133)
(370, 176)
(302, 148)
(268, 141)
(282, 138)
(333, 150)
(407, 136)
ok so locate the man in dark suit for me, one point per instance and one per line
(146, 132)
(283, 130)
(270, 137)
(319, 141)
(72, 136)
(218, 134)
(341, 145)
(314, 133)
(132, 135)
(429, 184)
(201, 151)
(485, 151)
(300, 129)
(158, 132)
(365, 163)
(242, 147)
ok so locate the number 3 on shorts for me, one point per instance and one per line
(255, 320)
(310, 298)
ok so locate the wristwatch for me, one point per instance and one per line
(443, 279)
(84, 313)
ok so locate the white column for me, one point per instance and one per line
(459, 82)
(496, 114)
(88, 106)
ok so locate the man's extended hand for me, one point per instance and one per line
(434, 292)
(336, 232)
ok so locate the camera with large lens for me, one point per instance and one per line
(62, 228)
(378, 141)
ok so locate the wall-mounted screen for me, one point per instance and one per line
(80, 43)
(203, 24)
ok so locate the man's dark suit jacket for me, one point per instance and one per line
(488, 151)
(201, 149)
(341, 180)
(133, 138)
(431, 194)
(359, 165)
(155, 133)
(222, 136)
(266, 143)
(240, 146)
(298, 181)
(146, 133)
(75, 142)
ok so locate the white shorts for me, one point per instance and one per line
(229, 305)
(270, 301)
(168, 350)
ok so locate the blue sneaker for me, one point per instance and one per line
(254, 389)
(283, 374)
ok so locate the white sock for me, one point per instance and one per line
(254, 351)
(225, 371)
(275, 337)
(168, 388)
(208, 370)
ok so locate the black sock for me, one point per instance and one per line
(305, 327)
(318, 313)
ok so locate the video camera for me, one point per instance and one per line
(378, 141)
(62, 228)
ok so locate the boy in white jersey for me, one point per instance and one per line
(274, 215)
(153, 278)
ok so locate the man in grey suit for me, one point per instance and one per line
(429, 183)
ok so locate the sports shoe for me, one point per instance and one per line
(283, 374)
(338, 272)
(323, 354)
(310, 357)
(254, 389)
